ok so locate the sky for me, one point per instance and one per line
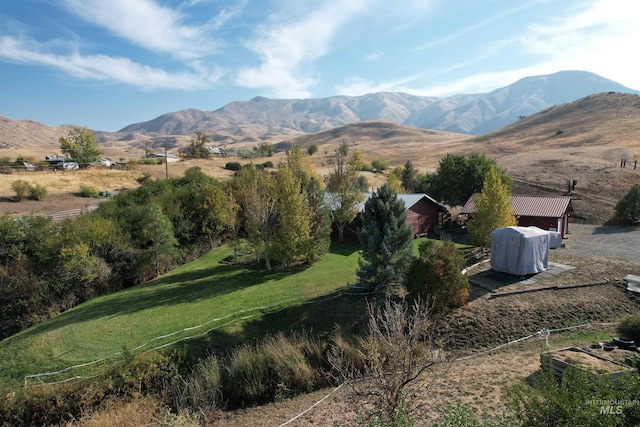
(105, 64)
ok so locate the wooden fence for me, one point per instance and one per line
(72, 213)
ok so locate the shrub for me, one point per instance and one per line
(436, 274)
(367, 167)
(398, 350)
(146, 374)
(144, 178)
(233, 166)
(268, 164)
(363, 183)
(629, 328)
(264, 149)
(578, 399)
(628, 208)
(21, 188)
(37, 192)
(149, 161)
(88, 191)
(379, 165)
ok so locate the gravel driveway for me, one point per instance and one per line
(617, 243)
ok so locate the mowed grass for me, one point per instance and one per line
(205, 292)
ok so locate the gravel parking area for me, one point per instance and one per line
(598, 241)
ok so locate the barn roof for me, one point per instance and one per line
(409, 200)
(539, 206)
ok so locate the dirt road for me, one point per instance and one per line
(598, 241)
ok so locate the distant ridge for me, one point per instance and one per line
(469, 114)
(280, 119)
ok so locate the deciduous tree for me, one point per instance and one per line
(459, 176)
(256, 193)
(152, 234)
(394, 180)
(292, 234)
(197, 147)
(397, 351)
(343, 190)
(436, 276)
(311, 186)
(80, 146)
(493, 209)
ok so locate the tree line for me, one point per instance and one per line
(281, 217)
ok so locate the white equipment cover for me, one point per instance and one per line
(519, 250)
(633, 283)
(555, 240)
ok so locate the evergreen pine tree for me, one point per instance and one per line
(387, 243)
(628, 208)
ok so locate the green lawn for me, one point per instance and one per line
(204, 292)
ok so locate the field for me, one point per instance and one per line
(200, 296)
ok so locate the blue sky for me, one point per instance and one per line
(105, 64)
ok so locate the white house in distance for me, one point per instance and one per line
(217, 151)
(171, 158)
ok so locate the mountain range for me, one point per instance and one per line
(473, 114)
(264, 119)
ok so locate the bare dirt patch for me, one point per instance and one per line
(62, 189)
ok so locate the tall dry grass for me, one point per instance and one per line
(145, 411)
(275, 368)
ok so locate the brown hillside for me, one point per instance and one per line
(584, 141)
(27, 133)
(606, 119)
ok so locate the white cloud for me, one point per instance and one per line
(600, 39)
(104, 68)
(478, 83)
(148, 25)
(286, 47)
(356, 86)
(373, 57)
(472, 28)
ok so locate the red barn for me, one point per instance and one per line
(546, 212)
(423, 214)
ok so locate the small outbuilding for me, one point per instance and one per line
(549, 213)
(170, 158)
(424, 213)
(519, 250)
